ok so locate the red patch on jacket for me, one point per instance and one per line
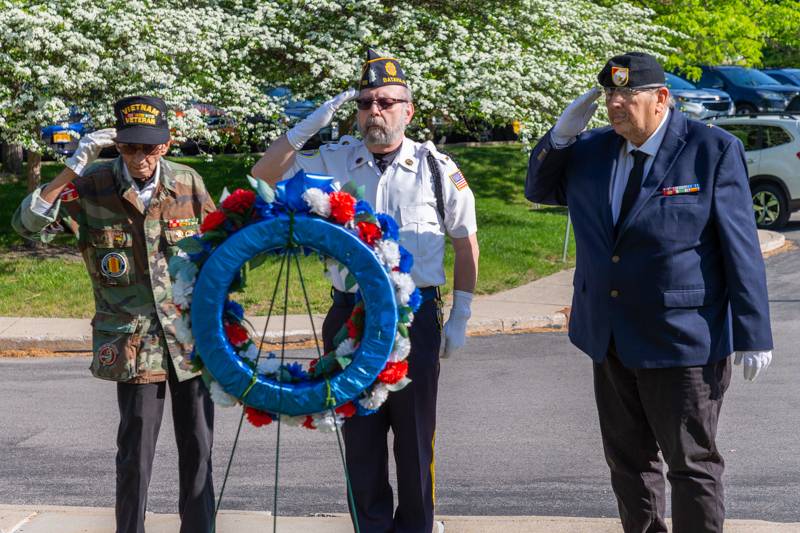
(69, 193)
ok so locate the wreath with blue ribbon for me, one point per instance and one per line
(304, 214)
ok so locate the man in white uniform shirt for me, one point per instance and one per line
(400, 178)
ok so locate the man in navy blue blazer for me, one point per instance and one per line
(669, 282)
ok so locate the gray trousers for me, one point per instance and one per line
(140, 408)
(674, 410)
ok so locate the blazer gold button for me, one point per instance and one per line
(615, 259)
(614, 293)
(409, 162)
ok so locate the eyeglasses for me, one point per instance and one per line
(383, 103)
(132, 149)
(626, 92)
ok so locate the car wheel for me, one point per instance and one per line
(770, 206)
(746, 109)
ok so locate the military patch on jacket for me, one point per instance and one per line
(107, 354)
(181, 222)
(680, 189)
(458, 180)
(114, 265)
(69, 193)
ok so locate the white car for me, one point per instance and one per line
(772, 149)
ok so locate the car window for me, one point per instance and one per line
(749, 77)
(674, 82)
(710, 79)
(775, 136)
(747, 133)
(780, 77)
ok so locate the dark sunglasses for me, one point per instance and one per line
(383, 103)
(132, 149)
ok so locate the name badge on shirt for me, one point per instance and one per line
(680, 189)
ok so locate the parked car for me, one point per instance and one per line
(63, 136)
(752, 90)
(772, 151)
(786, 76)
(698, 103)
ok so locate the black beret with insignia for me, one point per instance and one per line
(381, 70)
(634, 69)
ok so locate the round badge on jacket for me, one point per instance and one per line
(107, 354)
(114, 265)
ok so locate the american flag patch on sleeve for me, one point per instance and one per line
(458, 180)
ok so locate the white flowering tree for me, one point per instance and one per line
(468, 60)
(491, 61)
(87, 54)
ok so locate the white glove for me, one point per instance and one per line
(308, 127)
(89, 149)
(575, 118)
(754, 363)
(455, 330)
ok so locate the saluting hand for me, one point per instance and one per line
(89, 149)
(575, 117)
(308, 127)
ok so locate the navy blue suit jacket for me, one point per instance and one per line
(683, 283)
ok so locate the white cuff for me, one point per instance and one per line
(561, 142)
(40, 206)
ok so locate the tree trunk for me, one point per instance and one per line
(34, 170)
(34, 178)
(12, 158)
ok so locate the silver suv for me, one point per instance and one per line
(772, 148)
(698, 103)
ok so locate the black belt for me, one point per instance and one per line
(349, 298)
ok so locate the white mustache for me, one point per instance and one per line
(375, 122)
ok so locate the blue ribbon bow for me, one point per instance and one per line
(289, 192)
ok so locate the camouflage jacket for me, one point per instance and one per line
(126, 249)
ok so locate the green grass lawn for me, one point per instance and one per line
(518, 243)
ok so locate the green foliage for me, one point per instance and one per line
(750, 33)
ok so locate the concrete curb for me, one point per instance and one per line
(770, 241)
(49, 518)
(542, 305)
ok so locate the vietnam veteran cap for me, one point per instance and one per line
(634, 69)
(141, 120)
(380, 70)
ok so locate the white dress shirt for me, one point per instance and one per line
(404, 191)
(625, 164)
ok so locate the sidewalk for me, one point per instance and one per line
(49, 519)
(542, 304)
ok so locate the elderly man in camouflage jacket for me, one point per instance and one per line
(128, 214)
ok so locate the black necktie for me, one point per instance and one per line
(381, 162)
(633, 186)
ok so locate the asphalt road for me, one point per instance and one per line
(517, 434)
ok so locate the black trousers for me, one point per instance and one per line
(411, 415)
(140, 408)
(674, 410)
